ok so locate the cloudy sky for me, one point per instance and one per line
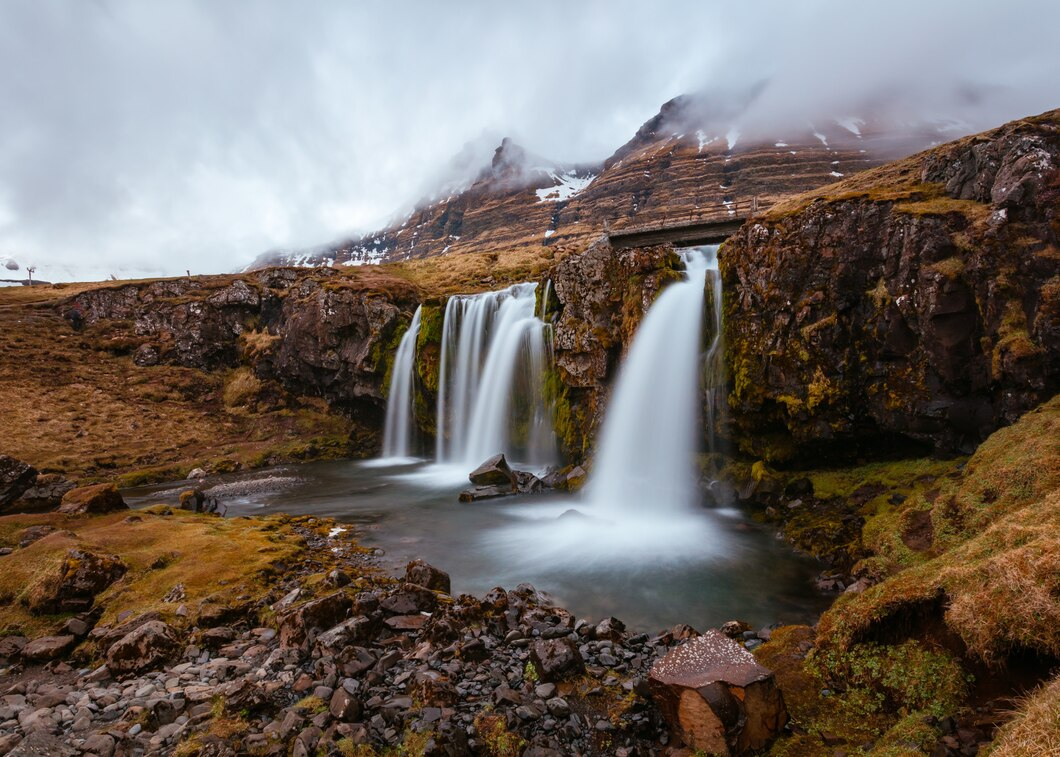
(153, 137)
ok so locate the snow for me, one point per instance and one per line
(781, 144)
(732, 136)
(836, 174)
(568, 185)
(549, 233)
(853, 125)
(703, 141)
(822, 137)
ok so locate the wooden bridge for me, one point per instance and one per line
(711, 224)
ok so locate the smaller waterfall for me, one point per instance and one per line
(400, 421)
(490, 396)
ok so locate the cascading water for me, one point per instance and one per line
(490, 397)
(641, 498)
(648, 439)
(400, 424)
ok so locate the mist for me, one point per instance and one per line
(154, 138)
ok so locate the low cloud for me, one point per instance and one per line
(151, 138)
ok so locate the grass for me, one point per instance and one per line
(212, 557)
(72, 405)
(469, 273)
(1035, 729)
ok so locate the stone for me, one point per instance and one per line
(11, 647)
(196, 474)
(92, 500)
(44, 495)
(74, 585)
(556, 659)
(146, 355)
(344, 706)
(145, 647)
(297, 625)
(409, 599)
(714, 693)
(15, 478)
(193, 500)
(493, 472)
(406, 622)
(33, 534)
(528, 483)
(423, 574)
(479, 493)
(357, 630)
(48, 648)
(609, 628)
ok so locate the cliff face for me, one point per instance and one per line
(918, 301)
(684, 162)
(315, 332)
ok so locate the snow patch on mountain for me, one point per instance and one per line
(567, 185)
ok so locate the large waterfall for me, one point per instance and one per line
(400, 424)
(490, 396)
(647, 446)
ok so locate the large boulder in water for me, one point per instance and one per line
(493, 472)
(15, 477)
(714, 693)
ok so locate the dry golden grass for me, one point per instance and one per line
(70, 404)
(1035, 730)
(210, 556)
(468, 273)
(997, 541)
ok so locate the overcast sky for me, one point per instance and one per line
(153, 137)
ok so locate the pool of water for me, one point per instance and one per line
(702, 568)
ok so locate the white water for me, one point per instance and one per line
(645, 458)
(400, 422)
(490, 397)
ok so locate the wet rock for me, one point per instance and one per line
(493, 472)
(74, 586)
(423, 574)
(193, 500)
(713, 692)
(92, 500)
(15, 478)
(735, 629)
(48, 648)
(528, 483)
(146, 647)
(479, 493)
(556, 659)
(409, 599)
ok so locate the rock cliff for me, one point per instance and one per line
(914, 303)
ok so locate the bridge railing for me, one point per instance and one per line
(701, 214)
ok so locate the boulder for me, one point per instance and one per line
(33, 534)
(45, 495)
(192, 499)
(344, 706)
(478, 493)
(15, 478)
(493, 472)
(92, 500)
(147, 646)
(11, 647)
(409, 599)
(423, 574)
(556, 659)
(528, 483)
(48, 648)
(356, 630)
(73, 588)
(714, 694)
(298, 625)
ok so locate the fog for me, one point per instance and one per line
(153, 138)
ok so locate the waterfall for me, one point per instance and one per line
(646, 453)
(490, 395)
(400, 423)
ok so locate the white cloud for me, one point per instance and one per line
(168, 135)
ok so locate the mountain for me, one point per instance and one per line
(687, 161)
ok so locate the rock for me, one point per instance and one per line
(74, 586)
(421, 573)
(344, 706)
(11, 647)
(40, 743)
(479, 493)
(356, 630)
(196, 473)
(713, 692)
(556, 659)
(609, 628)
(34, 533)
(406, 622)
(493, 472)
(92, 500)
(193, 500)
(15, 478)
(528, 483)
(337, 578)
(409, 599)
(735, 629)
(299, 624)
(44, 495)
(48, 648)
(146, 647)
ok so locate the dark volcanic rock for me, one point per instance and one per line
(145, 647)
(423, 574)
(48, 648)
(478, 493)
(493, 472)
(15, 478)
(917, 304)
(556, 659)
(713, 692)
(73, 587)
(307, 620)
(44, 495)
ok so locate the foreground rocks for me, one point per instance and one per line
(717, 697)
(15, 477)
(495, 478)
(92, 500)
